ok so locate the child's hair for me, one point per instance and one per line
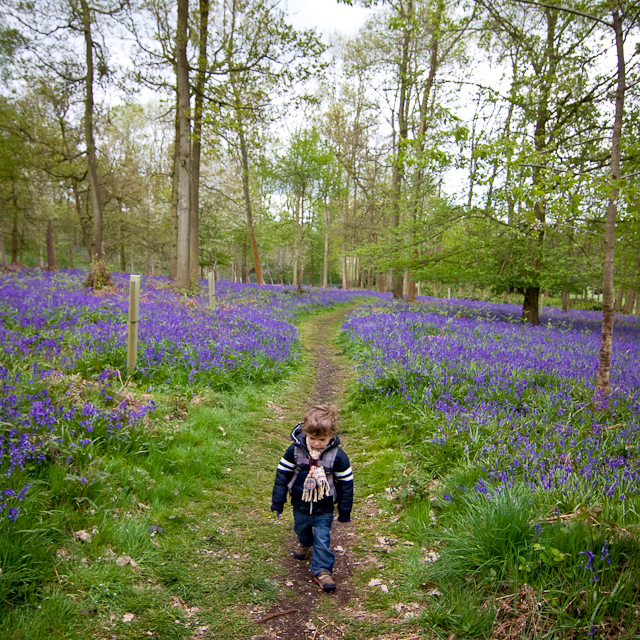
(320, 421)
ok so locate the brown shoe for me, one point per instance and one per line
(325, 580)
(301, 553)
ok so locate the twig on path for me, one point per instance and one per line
(333, 624)
(313, 637)
(276, 614)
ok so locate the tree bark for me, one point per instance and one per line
(345, 275)
(629, 301)
(247, 201)
(565, 300)
(92, 162)
(173, 212)
(51, 255)
(301, 281)
(183, 276)
(397, 178)
(604, 362)
(325, 264)
(295, 242)
(531, 308)
(196, 145)
(123, 262)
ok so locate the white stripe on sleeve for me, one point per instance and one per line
(286, 463)
(342, 474)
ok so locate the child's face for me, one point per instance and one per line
(318, 443)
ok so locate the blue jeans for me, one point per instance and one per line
(315, 531)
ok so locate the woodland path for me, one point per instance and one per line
(300, 611)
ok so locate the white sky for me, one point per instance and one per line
(326, 16)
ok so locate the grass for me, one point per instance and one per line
(185, 472)
(481, 554)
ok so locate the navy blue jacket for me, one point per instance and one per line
(342, 480)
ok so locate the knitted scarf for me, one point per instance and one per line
(316, 485)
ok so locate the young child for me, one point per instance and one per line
(317, 474)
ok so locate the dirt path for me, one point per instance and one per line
(310, 612)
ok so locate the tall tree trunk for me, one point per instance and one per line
(51, 255)
(92, 162)
(123, 263)
(196, 144)
(546, 75)
(295, 242)
(629, 301)
(345, 275)
(301, 282)
(531, 306)
(604, 361)
(397, 178)
(325, 263)
(247, 201)
(86, 240)
(15, 235)
(565, 300)
(183, 278)
(173, 211)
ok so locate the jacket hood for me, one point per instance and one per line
(299, 438)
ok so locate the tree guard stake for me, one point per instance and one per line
(132, 335)
(211, 277)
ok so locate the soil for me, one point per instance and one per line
(300, 618)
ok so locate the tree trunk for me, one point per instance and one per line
(3, 251)
(121, 247)
(295, 242)
(183, 276)
(565, 300)
(325, 264)
(617, 305)
(397, 176)
(247, 201)
(604, 361)
(196, 144)
(51, 255)
(301, 282)
(15, 234)
(530, 308)
(629, 301)
(86, 240)
(173, 212)
(345, 275)
(92, 163)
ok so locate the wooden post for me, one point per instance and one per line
(211, 277)
(132, 336)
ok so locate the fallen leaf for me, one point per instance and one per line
(176, 491)
(288, 583)
(82, 535)
(375, 582)
(384, 588)
(309, 625)
(339, 549)
(127, 617)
